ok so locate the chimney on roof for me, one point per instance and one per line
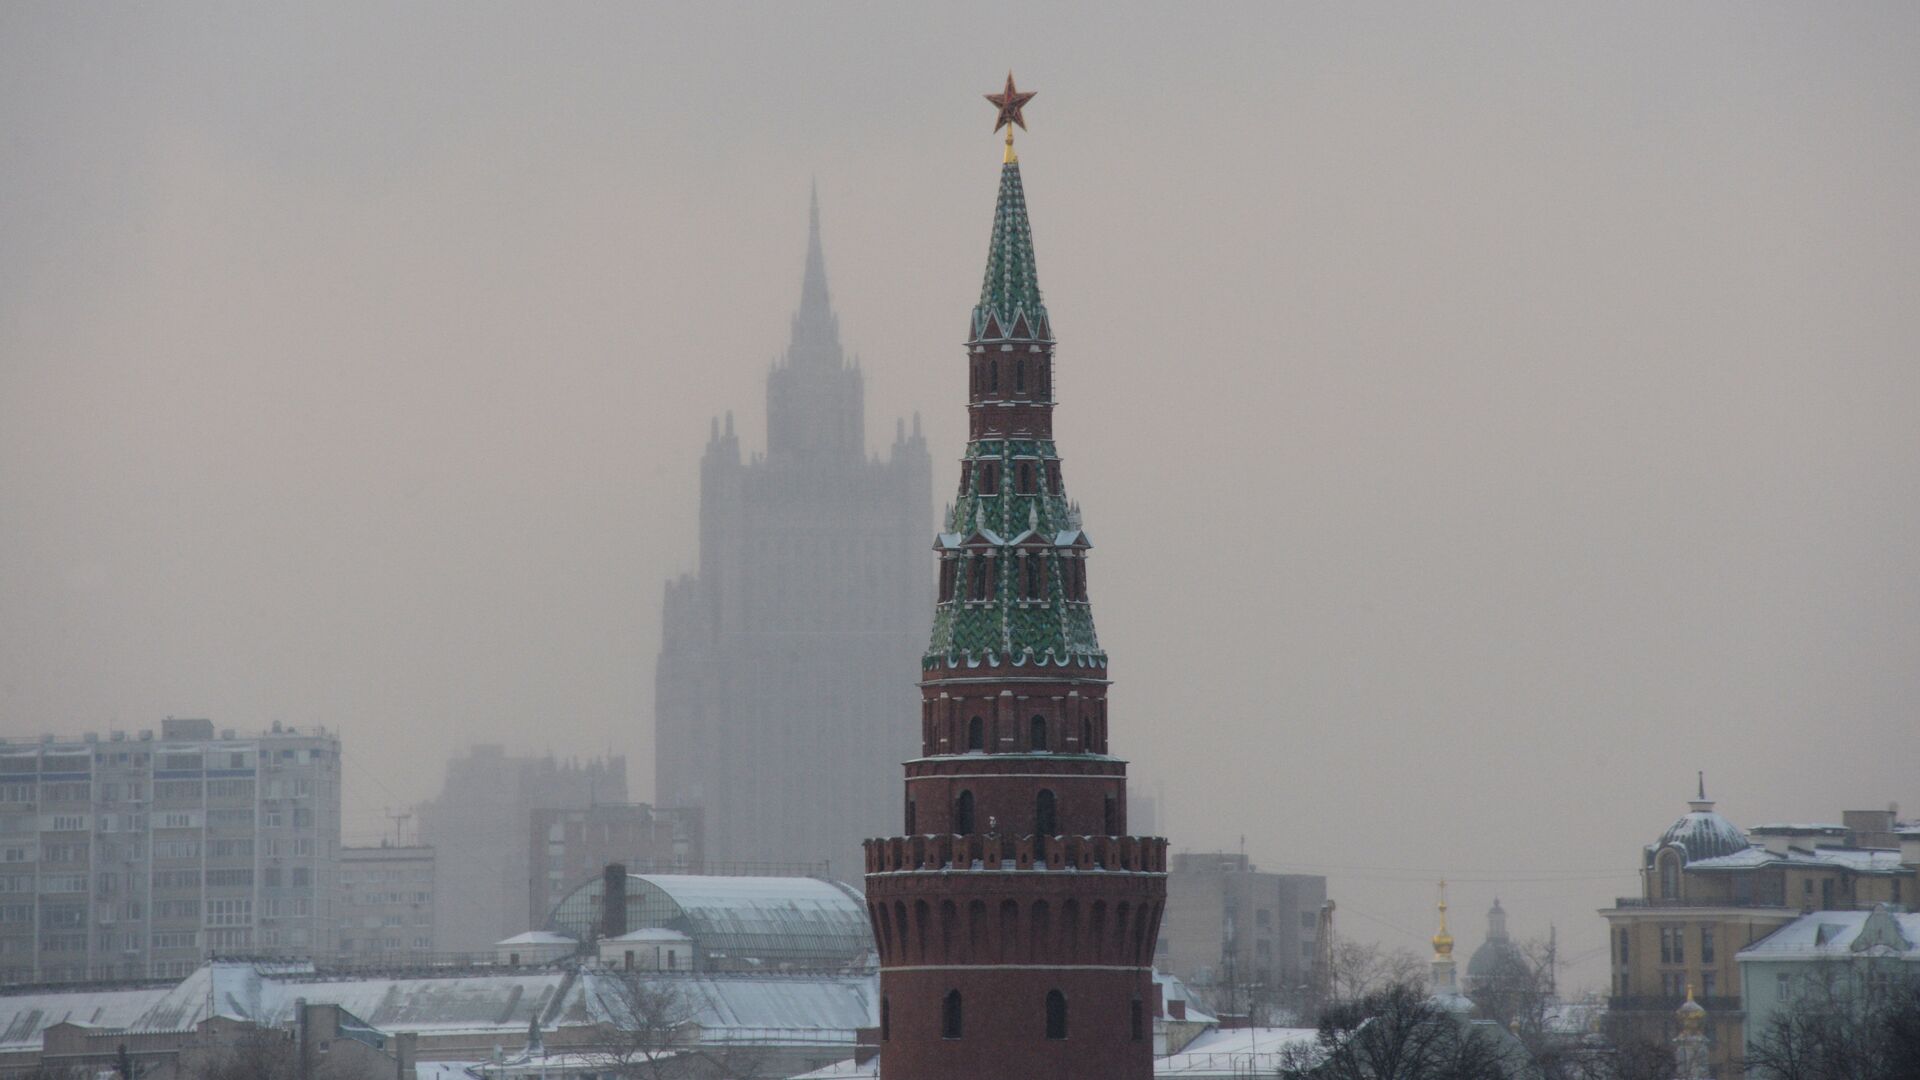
(613, 901)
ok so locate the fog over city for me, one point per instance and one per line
(1486, 416)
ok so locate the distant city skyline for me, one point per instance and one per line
(1543, 375)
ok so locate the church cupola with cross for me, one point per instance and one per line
(1016, 917)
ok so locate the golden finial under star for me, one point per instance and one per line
(1443, 941)
(1009, 102)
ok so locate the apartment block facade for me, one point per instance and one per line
(479, 826)
(386, 903)
(139, 855)
(1241, 936)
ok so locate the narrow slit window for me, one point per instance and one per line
(951, 1021)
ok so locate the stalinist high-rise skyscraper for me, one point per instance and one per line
(787, 659)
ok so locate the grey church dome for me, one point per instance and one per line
(1498, 960)
(1703, 834)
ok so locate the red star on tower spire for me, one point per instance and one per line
(1010, 101)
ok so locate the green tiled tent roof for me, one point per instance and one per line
(1011, 289)
(1004, 627)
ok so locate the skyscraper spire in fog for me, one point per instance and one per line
(816, 329)
(788, 658)
(815, 399)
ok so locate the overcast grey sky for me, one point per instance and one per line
(1487, 414)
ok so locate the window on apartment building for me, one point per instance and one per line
(1624, 938)
(1706, 984)
(1669, 876)
(1673, 945)
(229, 912)
(1706, 944)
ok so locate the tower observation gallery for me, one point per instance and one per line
(1015, 916)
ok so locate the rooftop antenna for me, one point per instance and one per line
(399, 825)
(1703, 785)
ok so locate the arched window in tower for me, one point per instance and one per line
(1041, 377)
(886, 1019)
(1037, 732)
(1045, 813)
(1669, 876)
(1054, 485)
(946, 579)
(993, 376)
(1056, 1015)
(1086, 735)
(1025, 478)
(1019, 376)
(1032, 560)
(977, 577)
(911, 823)
(1113, 816)
(950, 1018)
(976, 734)
(963, 814)
(1137, 1019)
(975, 380)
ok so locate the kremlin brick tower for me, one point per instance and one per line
(1016, 919)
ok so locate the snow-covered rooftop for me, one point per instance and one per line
(1172, 990)
(747, 1007)
(1238, 1052)
(647, 934)
(793, 921)
(1789, 827)
(1836, 933)
(538, 937)
(1858, 860)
